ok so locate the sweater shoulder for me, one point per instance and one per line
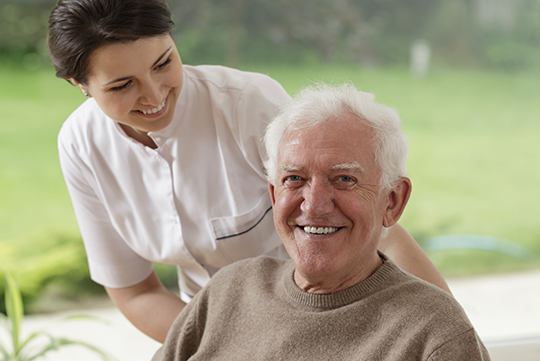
(425, 305)
(418, 291)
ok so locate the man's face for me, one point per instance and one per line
(327, 207)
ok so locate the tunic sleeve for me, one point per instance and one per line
(112, 263)
(260, 102)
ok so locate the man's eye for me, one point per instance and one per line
(345, 179)
(293, 181)
(293, 178)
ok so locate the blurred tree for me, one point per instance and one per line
(452, 31)
(496, 33)
(516, 43)
(22, 30)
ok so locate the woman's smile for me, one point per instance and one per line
(157, 111)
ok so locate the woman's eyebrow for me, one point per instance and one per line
(129, 77)
(161, 57)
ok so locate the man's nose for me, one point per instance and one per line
(151, 93)
(318, 198)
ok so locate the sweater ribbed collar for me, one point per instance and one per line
(340, 298)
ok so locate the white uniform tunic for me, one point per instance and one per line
(199, 201)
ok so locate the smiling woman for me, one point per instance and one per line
(163, 162)
(134, 83)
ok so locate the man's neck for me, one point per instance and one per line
(333, 283)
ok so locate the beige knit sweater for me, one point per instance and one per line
(252, 310)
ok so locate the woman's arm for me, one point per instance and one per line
(407, 254)
(148, 305)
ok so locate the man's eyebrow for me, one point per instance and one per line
(348, 166)
(153, 65)
(289, 168)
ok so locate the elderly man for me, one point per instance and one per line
(336, 168)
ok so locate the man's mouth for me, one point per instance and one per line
(155, 110)
(320, 230)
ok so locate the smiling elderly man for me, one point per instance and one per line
(336, 167)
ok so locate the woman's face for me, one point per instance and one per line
(137, 83)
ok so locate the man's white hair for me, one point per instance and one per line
(326, 103)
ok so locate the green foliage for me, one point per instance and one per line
(515, 47)
(23, 26)
(504, 35)
(53, 261)
(39, 343)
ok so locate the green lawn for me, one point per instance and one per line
(473, 138)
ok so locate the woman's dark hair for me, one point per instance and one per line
(78, 27)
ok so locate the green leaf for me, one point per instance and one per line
(56, 343)
(4, 321)
(33, 336)
(21, 348)
(14, 309)
(85, 317)
(65, 319)
(3, 349)
(4, 352)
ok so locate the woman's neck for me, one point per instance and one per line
(140, 136)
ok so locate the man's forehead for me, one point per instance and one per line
(345, 144)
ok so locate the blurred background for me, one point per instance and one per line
(463, 74)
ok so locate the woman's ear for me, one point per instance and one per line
(397, 200)
(82, 87)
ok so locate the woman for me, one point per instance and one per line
(163, 162)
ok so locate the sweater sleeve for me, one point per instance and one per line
(185, 334)
(465, 346)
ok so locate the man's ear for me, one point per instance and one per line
(271, 190)
(397, 200)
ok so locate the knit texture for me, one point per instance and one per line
(253, 310)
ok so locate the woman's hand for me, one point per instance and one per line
(401, 248)
(148, 305)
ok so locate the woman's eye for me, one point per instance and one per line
(164, 64)
(121, 87)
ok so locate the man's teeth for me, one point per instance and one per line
(155, 110)
(320, 230)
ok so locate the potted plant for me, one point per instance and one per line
(37, 344)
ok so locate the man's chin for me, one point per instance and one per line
(316, 267)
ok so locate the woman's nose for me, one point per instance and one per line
(318, 198)
(151, 93)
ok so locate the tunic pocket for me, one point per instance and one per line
(250, 234)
